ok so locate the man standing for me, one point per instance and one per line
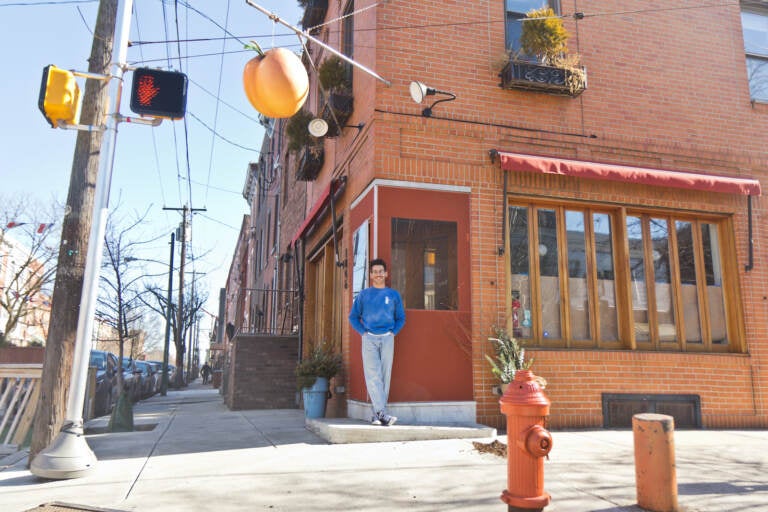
(378, 315)
(206, 371)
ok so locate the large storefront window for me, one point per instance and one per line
(424, 263)
(663, 282)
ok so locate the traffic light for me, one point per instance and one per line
(59, 96)
(159, 93)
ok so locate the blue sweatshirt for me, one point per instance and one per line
(378, 311)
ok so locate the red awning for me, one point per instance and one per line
(640, 175)
(318, 210)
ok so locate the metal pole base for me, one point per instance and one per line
(68, 456)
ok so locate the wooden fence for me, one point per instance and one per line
(19, 392)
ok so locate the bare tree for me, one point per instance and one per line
(157, 300)
(119, 305)
(27, 265)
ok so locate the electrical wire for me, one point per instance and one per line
(212, 187)
(153, 133)
(247, 116)
(221, 136)
(216, 109)
(219, 222)
(34, 4)
(214, 39)
(214, 54)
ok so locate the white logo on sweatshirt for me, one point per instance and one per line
(386, 300)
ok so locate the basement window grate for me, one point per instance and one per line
(618, 409)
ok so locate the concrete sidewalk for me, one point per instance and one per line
(202, 457)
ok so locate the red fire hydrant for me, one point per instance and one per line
(528, 442)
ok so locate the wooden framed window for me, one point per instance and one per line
(583, 276)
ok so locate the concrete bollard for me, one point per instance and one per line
(655, 474)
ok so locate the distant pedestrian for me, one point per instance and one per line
(378, 315)
(206, 372)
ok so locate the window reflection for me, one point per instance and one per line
(687, 263)
(521, 320)
(360, 259)
(424, 263)
(637, 276)
(665, 313)
(577, 275)
(714, 276)
(550, 274)
(606, 286)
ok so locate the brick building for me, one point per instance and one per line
(611, 223)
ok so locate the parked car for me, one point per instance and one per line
(148, 378)
(132, 379)
(158, 367)
(171, 376)
(106, 381)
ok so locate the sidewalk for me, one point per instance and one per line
(201, 456)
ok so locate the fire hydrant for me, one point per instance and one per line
(528, 442)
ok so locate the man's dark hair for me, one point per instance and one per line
(377, 261)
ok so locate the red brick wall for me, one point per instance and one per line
(261, 373)
(667, 89)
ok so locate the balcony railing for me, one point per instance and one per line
(533, 76)
(265, 311)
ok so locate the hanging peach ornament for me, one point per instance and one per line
(276, 82)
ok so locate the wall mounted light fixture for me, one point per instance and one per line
(319, 127)
(419, 91)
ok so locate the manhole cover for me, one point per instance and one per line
(68, 507)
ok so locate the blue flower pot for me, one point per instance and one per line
(315, 398)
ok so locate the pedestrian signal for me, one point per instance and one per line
(59, 96)
(159, 93)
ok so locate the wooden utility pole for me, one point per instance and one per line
(76, 228)
(179, 334)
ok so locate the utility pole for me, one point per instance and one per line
(73, 248)
(67, 455)
(179, 338)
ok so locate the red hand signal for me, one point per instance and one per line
(147, 90)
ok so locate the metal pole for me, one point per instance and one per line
(168, 318)
(274, 17)
(68, 455)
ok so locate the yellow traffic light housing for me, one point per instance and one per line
(59, 96)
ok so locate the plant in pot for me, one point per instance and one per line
(313, 375)
(314, 12)
(544, 62)
(309, 149)
(335, 77)
(509, 358)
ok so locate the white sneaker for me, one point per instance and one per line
(375, 420)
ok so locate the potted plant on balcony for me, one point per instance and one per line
(335, 77)
(544, 63)
(308, 148)
(313, 375)
(314, 12)
(509, 358)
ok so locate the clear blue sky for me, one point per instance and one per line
(150, 169)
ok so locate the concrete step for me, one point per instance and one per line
(347, 430)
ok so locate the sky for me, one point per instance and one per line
(150, 172)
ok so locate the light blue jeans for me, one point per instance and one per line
(378, 352)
